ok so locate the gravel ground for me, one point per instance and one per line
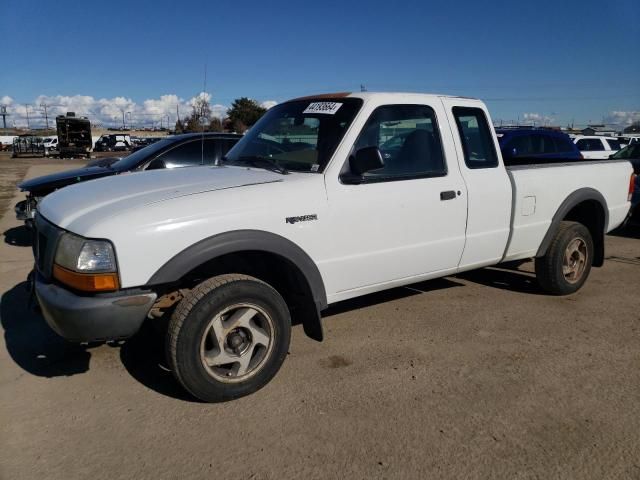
(474, 376)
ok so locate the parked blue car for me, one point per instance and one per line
(524, 145)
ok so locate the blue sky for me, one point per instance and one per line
(564, 60)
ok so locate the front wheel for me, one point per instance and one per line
(228, 337)
(567, 263)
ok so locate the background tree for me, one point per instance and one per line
(192, 124)
(244, 112)
(216, 125)
(179, 128)
(200, 114)
(238, 127)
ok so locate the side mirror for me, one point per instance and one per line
(365, 160)
(157, 164)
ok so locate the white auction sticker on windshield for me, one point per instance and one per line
(323, 107)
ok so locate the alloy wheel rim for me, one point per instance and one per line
(237, 342)
(575, 259)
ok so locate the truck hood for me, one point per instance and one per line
(48, 183)
(110, 196)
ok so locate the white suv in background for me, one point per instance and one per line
(595, 147)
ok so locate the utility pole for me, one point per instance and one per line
(46, 117)
(3, 112)
(123, 125)
(26, 108)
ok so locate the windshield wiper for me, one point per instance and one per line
(258, 162)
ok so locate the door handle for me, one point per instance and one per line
(448, 195)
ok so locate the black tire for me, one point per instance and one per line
(550, 268)
(190, 337)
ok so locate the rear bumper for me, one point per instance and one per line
(83, 319)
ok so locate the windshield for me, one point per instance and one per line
(297, 136)
(630, 151)
(139, 156)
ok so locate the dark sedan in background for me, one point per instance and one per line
(522, 144)
(188, 150)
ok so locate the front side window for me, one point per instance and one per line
(409, 140)
(300, 135)
(476, 137)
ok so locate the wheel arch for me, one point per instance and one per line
(246, 248)
(588, 207)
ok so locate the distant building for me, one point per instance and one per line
(599, 130)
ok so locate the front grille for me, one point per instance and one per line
(47, 236)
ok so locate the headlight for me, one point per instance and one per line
(82, 255)
(84, 264)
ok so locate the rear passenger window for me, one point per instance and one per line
(563, 145)
(546, 144)
(614, 144)
(185, 155)
(590, 144)
(520, 145)
(477, 140)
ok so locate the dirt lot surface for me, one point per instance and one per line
(474, 376)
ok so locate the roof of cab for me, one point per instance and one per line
(368, 95)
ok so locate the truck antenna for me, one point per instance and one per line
(204, 92)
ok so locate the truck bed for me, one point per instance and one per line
(538, 191)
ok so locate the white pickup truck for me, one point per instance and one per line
(326, 198)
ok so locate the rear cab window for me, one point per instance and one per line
(477, 139)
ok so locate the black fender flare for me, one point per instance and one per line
(574, 199)
(248, 240)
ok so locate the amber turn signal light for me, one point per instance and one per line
(86, 282)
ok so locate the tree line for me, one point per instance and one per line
(244, 112)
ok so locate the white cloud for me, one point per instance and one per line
(268, 104)
(537, 119)
(622, 118)
(106, 112)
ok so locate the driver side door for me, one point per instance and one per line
(404, 222)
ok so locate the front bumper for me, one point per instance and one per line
(100, 317)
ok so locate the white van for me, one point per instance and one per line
(50, 145)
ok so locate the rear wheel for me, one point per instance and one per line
(228, 337)
(567, 263)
